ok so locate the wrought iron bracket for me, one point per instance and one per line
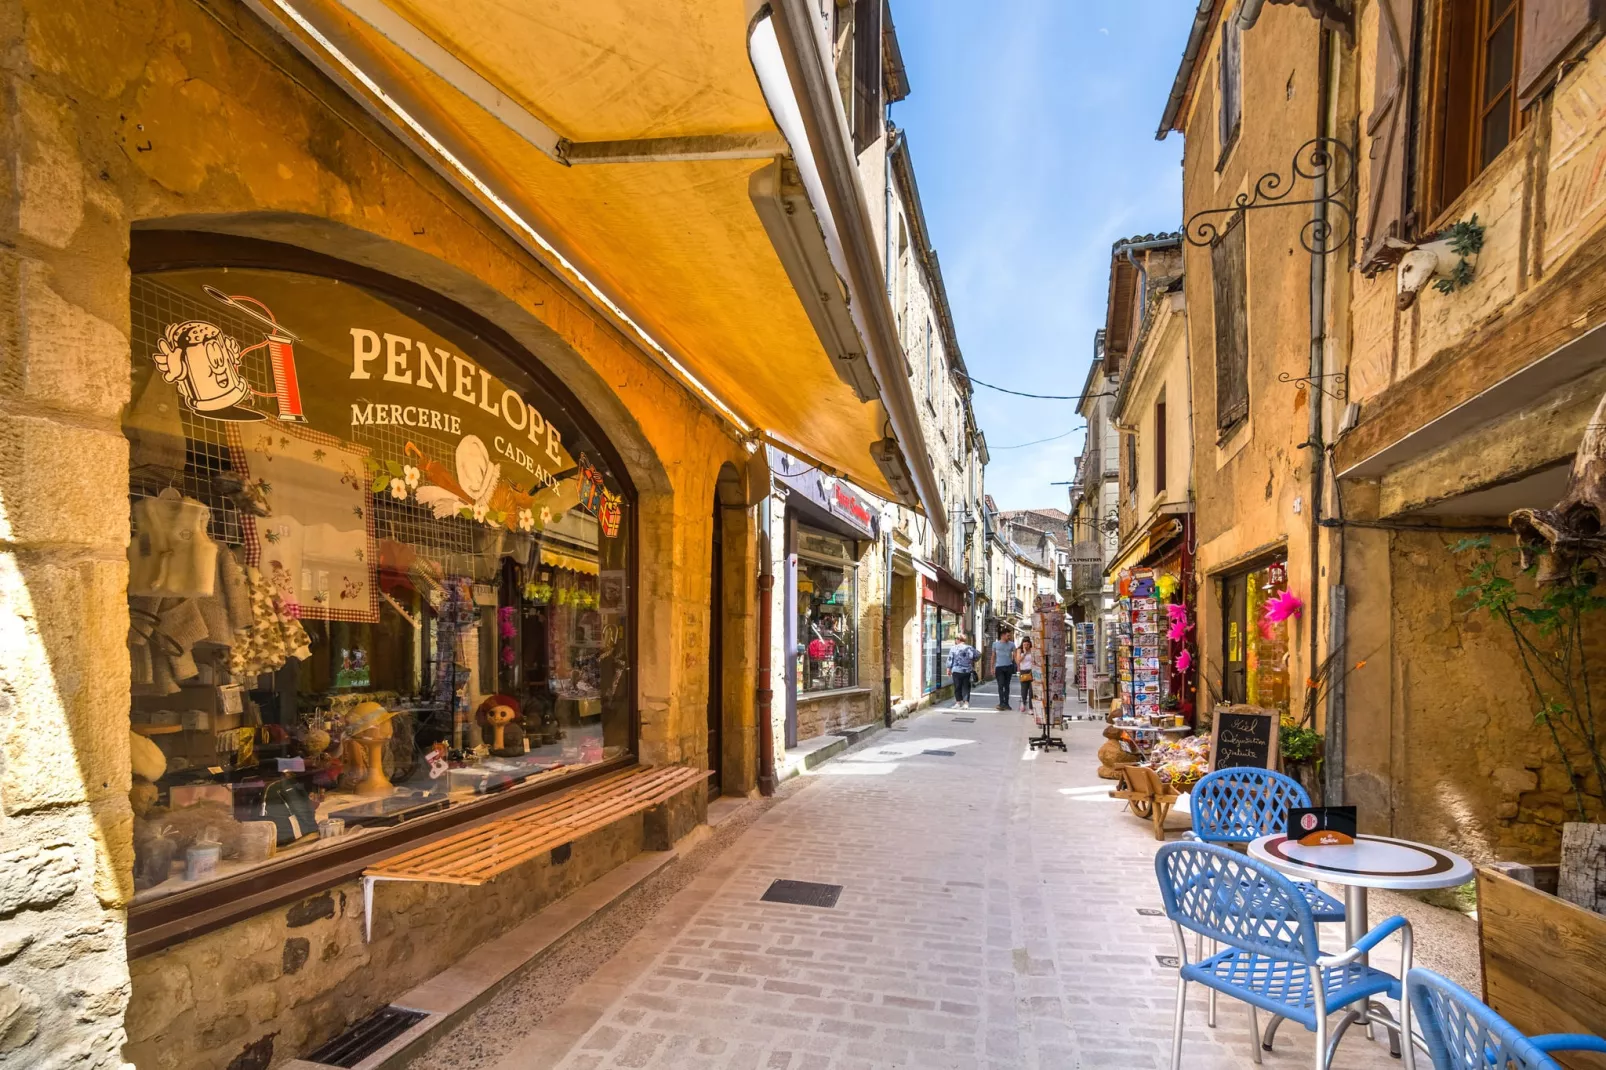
(1339, 380)
(1328, 165)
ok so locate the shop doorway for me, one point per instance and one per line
(1255, 649)
(1235, 618)
(716, 653)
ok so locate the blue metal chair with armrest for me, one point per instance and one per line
(1242, 803)
(1272, 961)
(1462, 1033)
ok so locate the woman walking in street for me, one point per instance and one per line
(961, 658)
(1026, 662)
(1004, 665)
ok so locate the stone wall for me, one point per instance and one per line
(170, 113)
(831, 711)
(1479, 776)
(277, 985)
(65, 821)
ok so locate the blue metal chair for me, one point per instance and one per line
(1240, 804)
(1272, 961)
(1463, 1034)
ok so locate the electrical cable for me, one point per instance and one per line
(1041, 397)
(1037, 442)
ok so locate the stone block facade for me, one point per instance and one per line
(833, 711)
(276, 985)
(166, 114)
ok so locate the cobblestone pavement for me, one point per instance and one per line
(989, 917)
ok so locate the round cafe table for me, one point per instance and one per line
(1369, 862)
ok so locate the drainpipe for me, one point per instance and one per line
(1127, 248)
(1334, 757)
(766, 677)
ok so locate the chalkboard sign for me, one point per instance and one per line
(1243, 736)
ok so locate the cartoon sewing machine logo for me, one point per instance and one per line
(205, 364)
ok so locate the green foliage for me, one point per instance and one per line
(1465, 239)
(1298, 742)
(1549, 625)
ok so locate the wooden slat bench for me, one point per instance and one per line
(479, 854)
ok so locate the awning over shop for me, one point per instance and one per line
(559, 559)
(943, 592)
(629, 145)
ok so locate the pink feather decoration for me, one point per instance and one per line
(1184, 661)
(1178, 631)
(1280, 608)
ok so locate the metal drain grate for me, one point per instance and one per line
(803, 893)
(1170, 962)
(1150, 912)
(964, 720)
(367, 1037)
(898, 728)
(939, 753)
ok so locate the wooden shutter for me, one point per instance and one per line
(1550, 31)
(1388, 129)
(866, 73)
(1230, 67)
(1232, 327)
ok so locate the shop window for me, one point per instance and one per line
(931, 645)
(377, 572)
(1255, 648)
(1476, 100)
(827, 612)
(1227, 258)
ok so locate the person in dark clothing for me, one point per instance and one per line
(1004, 666)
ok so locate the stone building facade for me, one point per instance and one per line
(131, 131)
(1361, 407)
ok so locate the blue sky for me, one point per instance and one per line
(1031, 125)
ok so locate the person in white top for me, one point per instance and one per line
(1026, 662)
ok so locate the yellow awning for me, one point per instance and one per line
(559, 559)
(628, 134)
(1129, 555)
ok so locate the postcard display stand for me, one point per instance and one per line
(1085, 656)
(1051, 658)
(1142, 640)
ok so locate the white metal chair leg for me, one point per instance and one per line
(1210, 1015)
(1254, 1033)
(1318, 988)
(1271, 1031)
(1176, 1028)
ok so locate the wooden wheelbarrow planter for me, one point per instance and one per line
(1147, 795)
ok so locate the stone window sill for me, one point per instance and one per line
(841, 692)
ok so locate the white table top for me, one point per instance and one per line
(1369, 862)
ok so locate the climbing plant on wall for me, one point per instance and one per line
(1551, 626)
